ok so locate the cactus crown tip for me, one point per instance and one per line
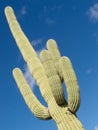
(7, 8)
(51, 43)
(15, 70)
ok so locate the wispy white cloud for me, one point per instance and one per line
(95, 35)
(23, 10)
(50, 15)
(93, 13)
(89, 71)
(37, 41)
(29, 77)
(49, 21)
(38, 44)
(47, 16)
(96, 127)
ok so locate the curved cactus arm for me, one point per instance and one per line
(53, 77)
(20, 38)
(32, 102)
(71, 84)
(29, 55)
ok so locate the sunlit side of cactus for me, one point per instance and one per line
(49, 72)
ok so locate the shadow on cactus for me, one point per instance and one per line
(49, 72)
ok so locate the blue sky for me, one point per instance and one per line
(74, 25)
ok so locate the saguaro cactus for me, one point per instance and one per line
(49, 72)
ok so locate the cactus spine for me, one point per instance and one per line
(49, 73)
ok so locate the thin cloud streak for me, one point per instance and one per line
(49, 21)
(36, 42)
(29, 77)
(38, 45)
(89, 71)
(23, 10)
(95, 35)
(50, 15)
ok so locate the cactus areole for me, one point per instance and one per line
(49, 72)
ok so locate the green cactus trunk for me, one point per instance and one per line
(49, 72)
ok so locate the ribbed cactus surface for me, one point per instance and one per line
(49, 72)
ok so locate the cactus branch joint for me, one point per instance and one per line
(49, 71)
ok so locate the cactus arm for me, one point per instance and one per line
(32, 102)
(20, 38)
(71, 84)
(53, 77)
(66, 72)
(55, 54)
(29, 55)
(53, 48)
